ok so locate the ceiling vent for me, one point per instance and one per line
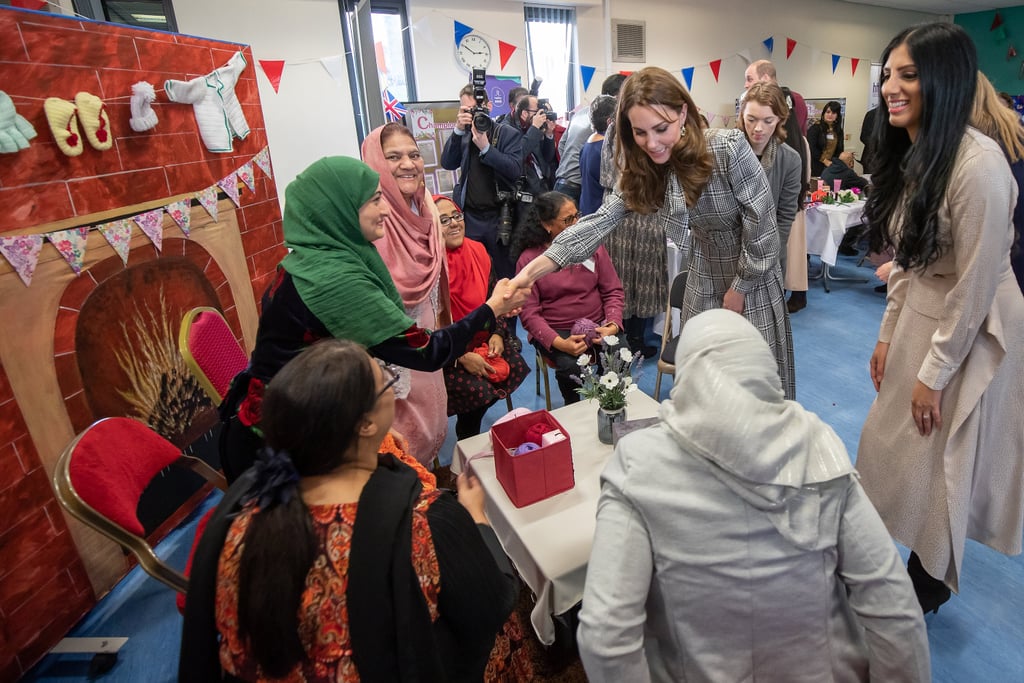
(629, 41)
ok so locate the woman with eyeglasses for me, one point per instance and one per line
(335, 284)
(492, 367)
(413, 251)
(589, 291)
(706, 180)
(330, 561)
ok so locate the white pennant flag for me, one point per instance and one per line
(335, 66)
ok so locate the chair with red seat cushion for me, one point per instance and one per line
(211, 351)
(101, 475)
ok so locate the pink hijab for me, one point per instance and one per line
(412, 247)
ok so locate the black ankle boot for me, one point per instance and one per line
(931, 592)
(797, 302)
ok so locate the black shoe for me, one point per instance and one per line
(649, 351)
(882, 289)
(931, 592)
(797, 302)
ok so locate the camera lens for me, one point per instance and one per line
(552, 116)
(482, 122)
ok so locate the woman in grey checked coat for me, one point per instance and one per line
(707, 180)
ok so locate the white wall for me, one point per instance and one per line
(312, 116)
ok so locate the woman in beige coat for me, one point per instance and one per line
(942, 452)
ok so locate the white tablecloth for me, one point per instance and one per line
(826, 225)
(549, 541)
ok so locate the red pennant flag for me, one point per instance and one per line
(627, 74)
(273, 68)
(715, 67)
(505, 52)
(790, 44)
(1011, 53)
(29, 4)
(997, 22)
(854, 61)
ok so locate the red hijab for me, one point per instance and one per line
(469, 271)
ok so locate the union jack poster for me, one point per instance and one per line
(393, 109)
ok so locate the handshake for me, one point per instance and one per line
(507, 299)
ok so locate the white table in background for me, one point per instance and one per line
(549, 541)
(826, 226)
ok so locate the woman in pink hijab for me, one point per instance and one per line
(414, 253)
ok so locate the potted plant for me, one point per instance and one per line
(609, 383)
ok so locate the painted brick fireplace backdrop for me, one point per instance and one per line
(67, 341)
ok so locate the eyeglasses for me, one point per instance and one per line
(453, 218)
(569, 220)
(391, 373)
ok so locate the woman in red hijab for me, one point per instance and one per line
(491, 368)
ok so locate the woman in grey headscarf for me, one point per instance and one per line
(734, 541)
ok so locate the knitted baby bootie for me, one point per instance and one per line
(95, 123)
(61, 115)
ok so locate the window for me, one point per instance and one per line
(156, 14)
(379, 55)
(551, 50)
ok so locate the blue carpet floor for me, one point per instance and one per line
(977, 636)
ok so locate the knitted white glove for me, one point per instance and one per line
(143, 116)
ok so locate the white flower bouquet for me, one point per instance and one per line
(615, 382)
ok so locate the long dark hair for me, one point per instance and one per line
(531, 232)
(642, 181)
(311, 411)
(947, 65)
(820, 131)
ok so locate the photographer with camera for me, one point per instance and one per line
(488, 156)
(537, 126)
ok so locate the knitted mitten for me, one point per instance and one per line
(61, 115)
(143, 116)
(15, 130)
(94, 121)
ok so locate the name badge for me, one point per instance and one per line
(830, 136)
(589, 264)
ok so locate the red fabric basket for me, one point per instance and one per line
(535, 475)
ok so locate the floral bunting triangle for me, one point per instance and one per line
(208, 198)
(245, 175)
(118, 234)
(22, 252)
(71, 245)
(152, 223)
(181, 212)
(263, 161)
(230, 186)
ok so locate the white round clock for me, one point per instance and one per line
(473, 52)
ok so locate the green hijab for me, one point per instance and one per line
(337, 272)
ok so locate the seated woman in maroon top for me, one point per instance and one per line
(586, 291)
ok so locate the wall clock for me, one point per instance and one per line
(473, 52)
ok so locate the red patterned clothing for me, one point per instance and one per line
(454, 560)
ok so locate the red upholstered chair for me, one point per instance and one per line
(101, 475)
(211, 351)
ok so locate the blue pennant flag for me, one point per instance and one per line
(688, 77)
(460, 32)
(835, 63)
(586, 73)
(393, 109)
(770, 44)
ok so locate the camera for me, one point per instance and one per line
(481, 116)
(546, 106)
(507, 201)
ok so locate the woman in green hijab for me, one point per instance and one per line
(334, 284)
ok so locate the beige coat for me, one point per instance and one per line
(958, 327)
